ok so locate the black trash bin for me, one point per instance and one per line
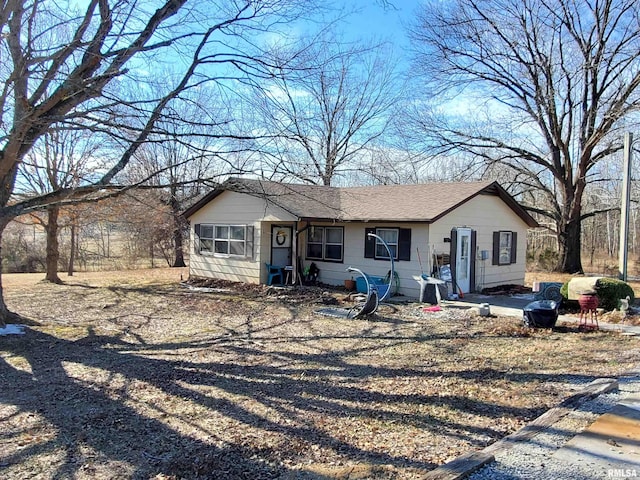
(432, 290)
(541, 314)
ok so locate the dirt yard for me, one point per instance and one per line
(133, 375)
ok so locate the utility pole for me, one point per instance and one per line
(624, 207)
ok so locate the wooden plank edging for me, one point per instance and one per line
(461, 467)
(466, 464)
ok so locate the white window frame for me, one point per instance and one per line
(393, 246)
(506, 245)
(209, 245)
(325, 243)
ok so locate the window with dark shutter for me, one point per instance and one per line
(504, 248)
(397, 239)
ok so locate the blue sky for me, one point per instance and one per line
(377, 22)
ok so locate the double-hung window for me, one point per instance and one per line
(230, 240)
(504, 247)
(390, 236)
(325, 243)
(222, 240)
(398, 240)
(206, 238)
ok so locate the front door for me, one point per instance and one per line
(464, 260)
(281, 245)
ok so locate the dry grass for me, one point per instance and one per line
(130, 375)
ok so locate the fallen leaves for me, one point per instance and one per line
(245, 382)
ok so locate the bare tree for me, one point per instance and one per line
(326, 111)
(62, 66)
(59, 159)
(185, 150)
(538, 89)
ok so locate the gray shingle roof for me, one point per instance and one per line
(393, 203)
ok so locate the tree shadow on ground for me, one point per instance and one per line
(99, 421)
(94, 417)
(87, 418)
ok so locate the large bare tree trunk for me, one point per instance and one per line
(6, 316)
(72, 249)
(7, 182)
(178, 240)
(570, 245)
(53, 247)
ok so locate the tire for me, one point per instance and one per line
(552, 292)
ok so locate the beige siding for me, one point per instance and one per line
(232, 208)
(334, 273)
(485, 214)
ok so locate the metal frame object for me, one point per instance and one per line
(371, 302)
(373, 299)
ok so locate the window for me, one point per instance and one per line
(223, 240)
(325, 243)
(398, 239)
(230, 240)
(206, 239)
(390, 236)
(504, 248)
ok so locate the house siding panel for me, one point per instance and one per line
(235, 209)
(354, 241)
(485, 214)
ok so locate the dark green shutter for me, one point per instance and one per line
(453, 255)
(495, 259)
(472, 259)
(249, 242)
(514, 246)
(404, 244)
(196, 238)
(369, 243)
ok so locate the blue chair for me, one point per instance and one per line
(273, 272)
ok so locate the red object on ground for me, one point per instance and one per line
(588, 312)
(435, 308)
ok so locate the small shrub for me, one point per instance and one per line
(609, 291)
(548, 259)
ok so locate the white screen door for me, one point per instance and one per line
(463, 260)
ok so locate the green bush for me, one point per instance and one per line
(609, 291)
